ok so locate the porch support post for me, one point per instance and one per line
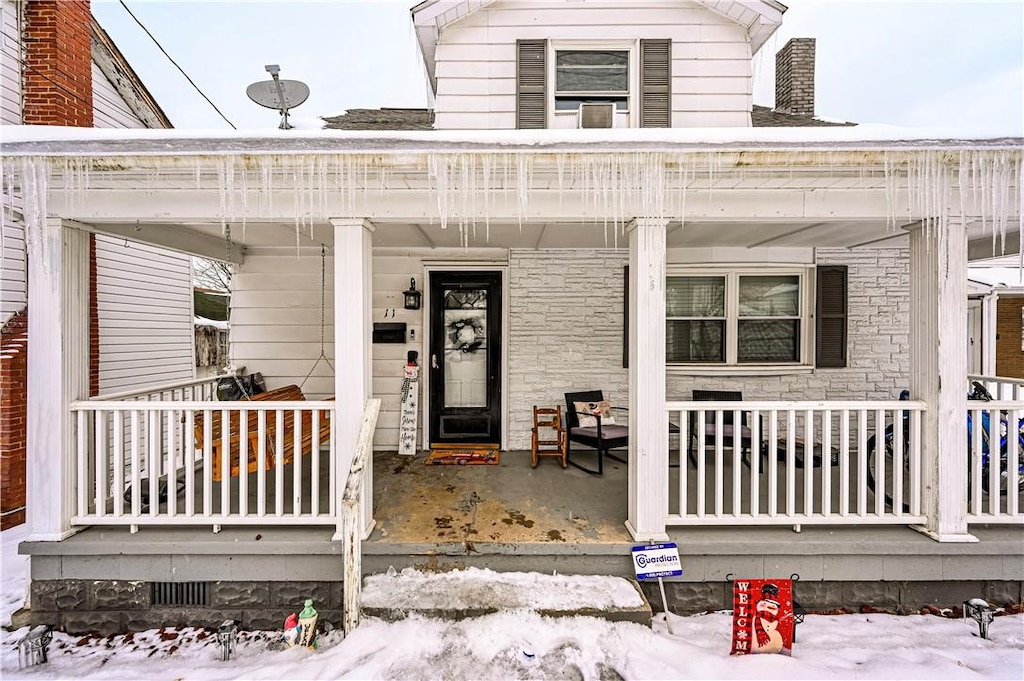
(58, 370)
(648, 420)
(938, 374)
(352, 350)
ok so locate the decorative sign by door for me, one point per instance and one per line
(408, 411)
(762, 616)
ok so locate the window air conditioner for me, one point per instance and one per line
(597, 115)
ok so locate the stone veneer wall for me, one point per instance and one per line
(566, 334)
(106, 607)
(878, 350)
(565, 330)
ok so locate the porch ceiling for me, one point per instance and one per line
(529, 235)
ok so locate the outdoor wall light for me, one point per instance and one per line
(412, 296)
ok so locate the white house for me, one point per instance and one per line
(816, 270)
(141, 295)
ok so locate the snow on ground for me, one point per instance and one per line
(13, 572)
(519, 644)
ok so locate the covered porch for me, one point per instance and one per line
(426, 205)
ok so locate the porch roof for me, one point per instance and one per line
(738, 187)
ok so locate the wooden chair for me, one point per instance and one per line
(602, 437)
(548, 419)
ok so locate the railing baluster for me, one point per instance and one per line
(737, 464)
(773, 463)
(190, 463)
(915, 462)
(333, 493)
(172, 464)
(994, 432)
(279, 459)
(207, 462)
(701, 461)
(82, 484)
(975, 462)
(809, 462)
(719, 456)
(314, 484)
(826, 462)
(862, 462)
(844, 462)
(136, 473)
(117, 437)
(153, 461)
(880, 464)
(100, 432)
(791, 462)
(243, 462)
(225, 470)
(1013, 464)
(297, 463)
(898, 464)
(755, 463)
(261, 463)
(684, 442)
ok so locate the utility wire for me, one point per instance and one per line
(74, 95)
(171, 59)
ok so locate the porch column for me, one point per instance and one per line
(648, 420)
(938, 374)
(352, 349)
(58, 370)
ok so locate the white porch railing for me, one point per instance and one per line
(999, 387)
(178, 463)
(353, 522)
(795, 463)
(995, 457)
(194, 390)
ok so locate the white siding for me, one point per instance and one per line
(476, 57)
(13, 289)
(144, 295)
(109, 110)
(10, 63)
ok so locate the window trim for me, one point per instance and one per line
(632, 47)
(732, 273)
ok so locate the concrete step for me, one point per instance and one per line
(475, 592)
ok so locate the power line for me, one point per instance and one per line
(171, 59)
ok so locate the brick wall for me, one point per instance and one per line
(1009, 357)
(794, 77)
(57, 82)
(13, 414)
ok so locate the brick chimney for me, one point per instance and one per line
(57, 75)
(794, 77)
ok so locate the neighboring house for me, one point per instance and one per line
(212, 331)
(997, 317)
(811, 273)
(140, 314)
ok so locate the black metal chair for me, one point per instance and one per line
(710, 426)
(602, 437)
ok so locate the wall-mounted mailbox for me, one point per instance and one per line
(389, 332)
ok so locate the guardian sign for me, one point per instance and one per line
(656, 560)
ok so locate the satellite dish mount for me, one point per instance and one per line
(278, 94)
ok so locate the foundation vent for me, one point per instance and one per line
(171, 594)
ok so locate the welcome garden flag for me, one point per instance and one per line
(762, 616)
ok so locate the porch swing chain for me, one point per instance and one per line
(323, 320)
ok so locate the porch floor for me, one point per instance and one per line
(509, 502)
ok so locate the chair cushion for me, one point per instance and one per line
(607, 432)
(602, 409)
(710, 431)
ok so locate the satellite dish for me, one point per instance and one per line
(278, 94)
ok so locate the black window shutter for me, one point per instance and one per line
(531, 74)
(655, 83)
(830, 317)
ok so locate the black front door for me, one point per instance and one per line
(465, 357)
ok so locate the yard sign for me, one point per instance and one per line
(655, 561)
(762, 616)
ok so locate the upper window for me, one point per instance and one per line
(591, 76)
(737, 318)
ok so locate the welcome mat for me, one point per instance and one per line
(463, 455)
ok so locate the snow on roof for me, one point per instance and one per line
(63, 141)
